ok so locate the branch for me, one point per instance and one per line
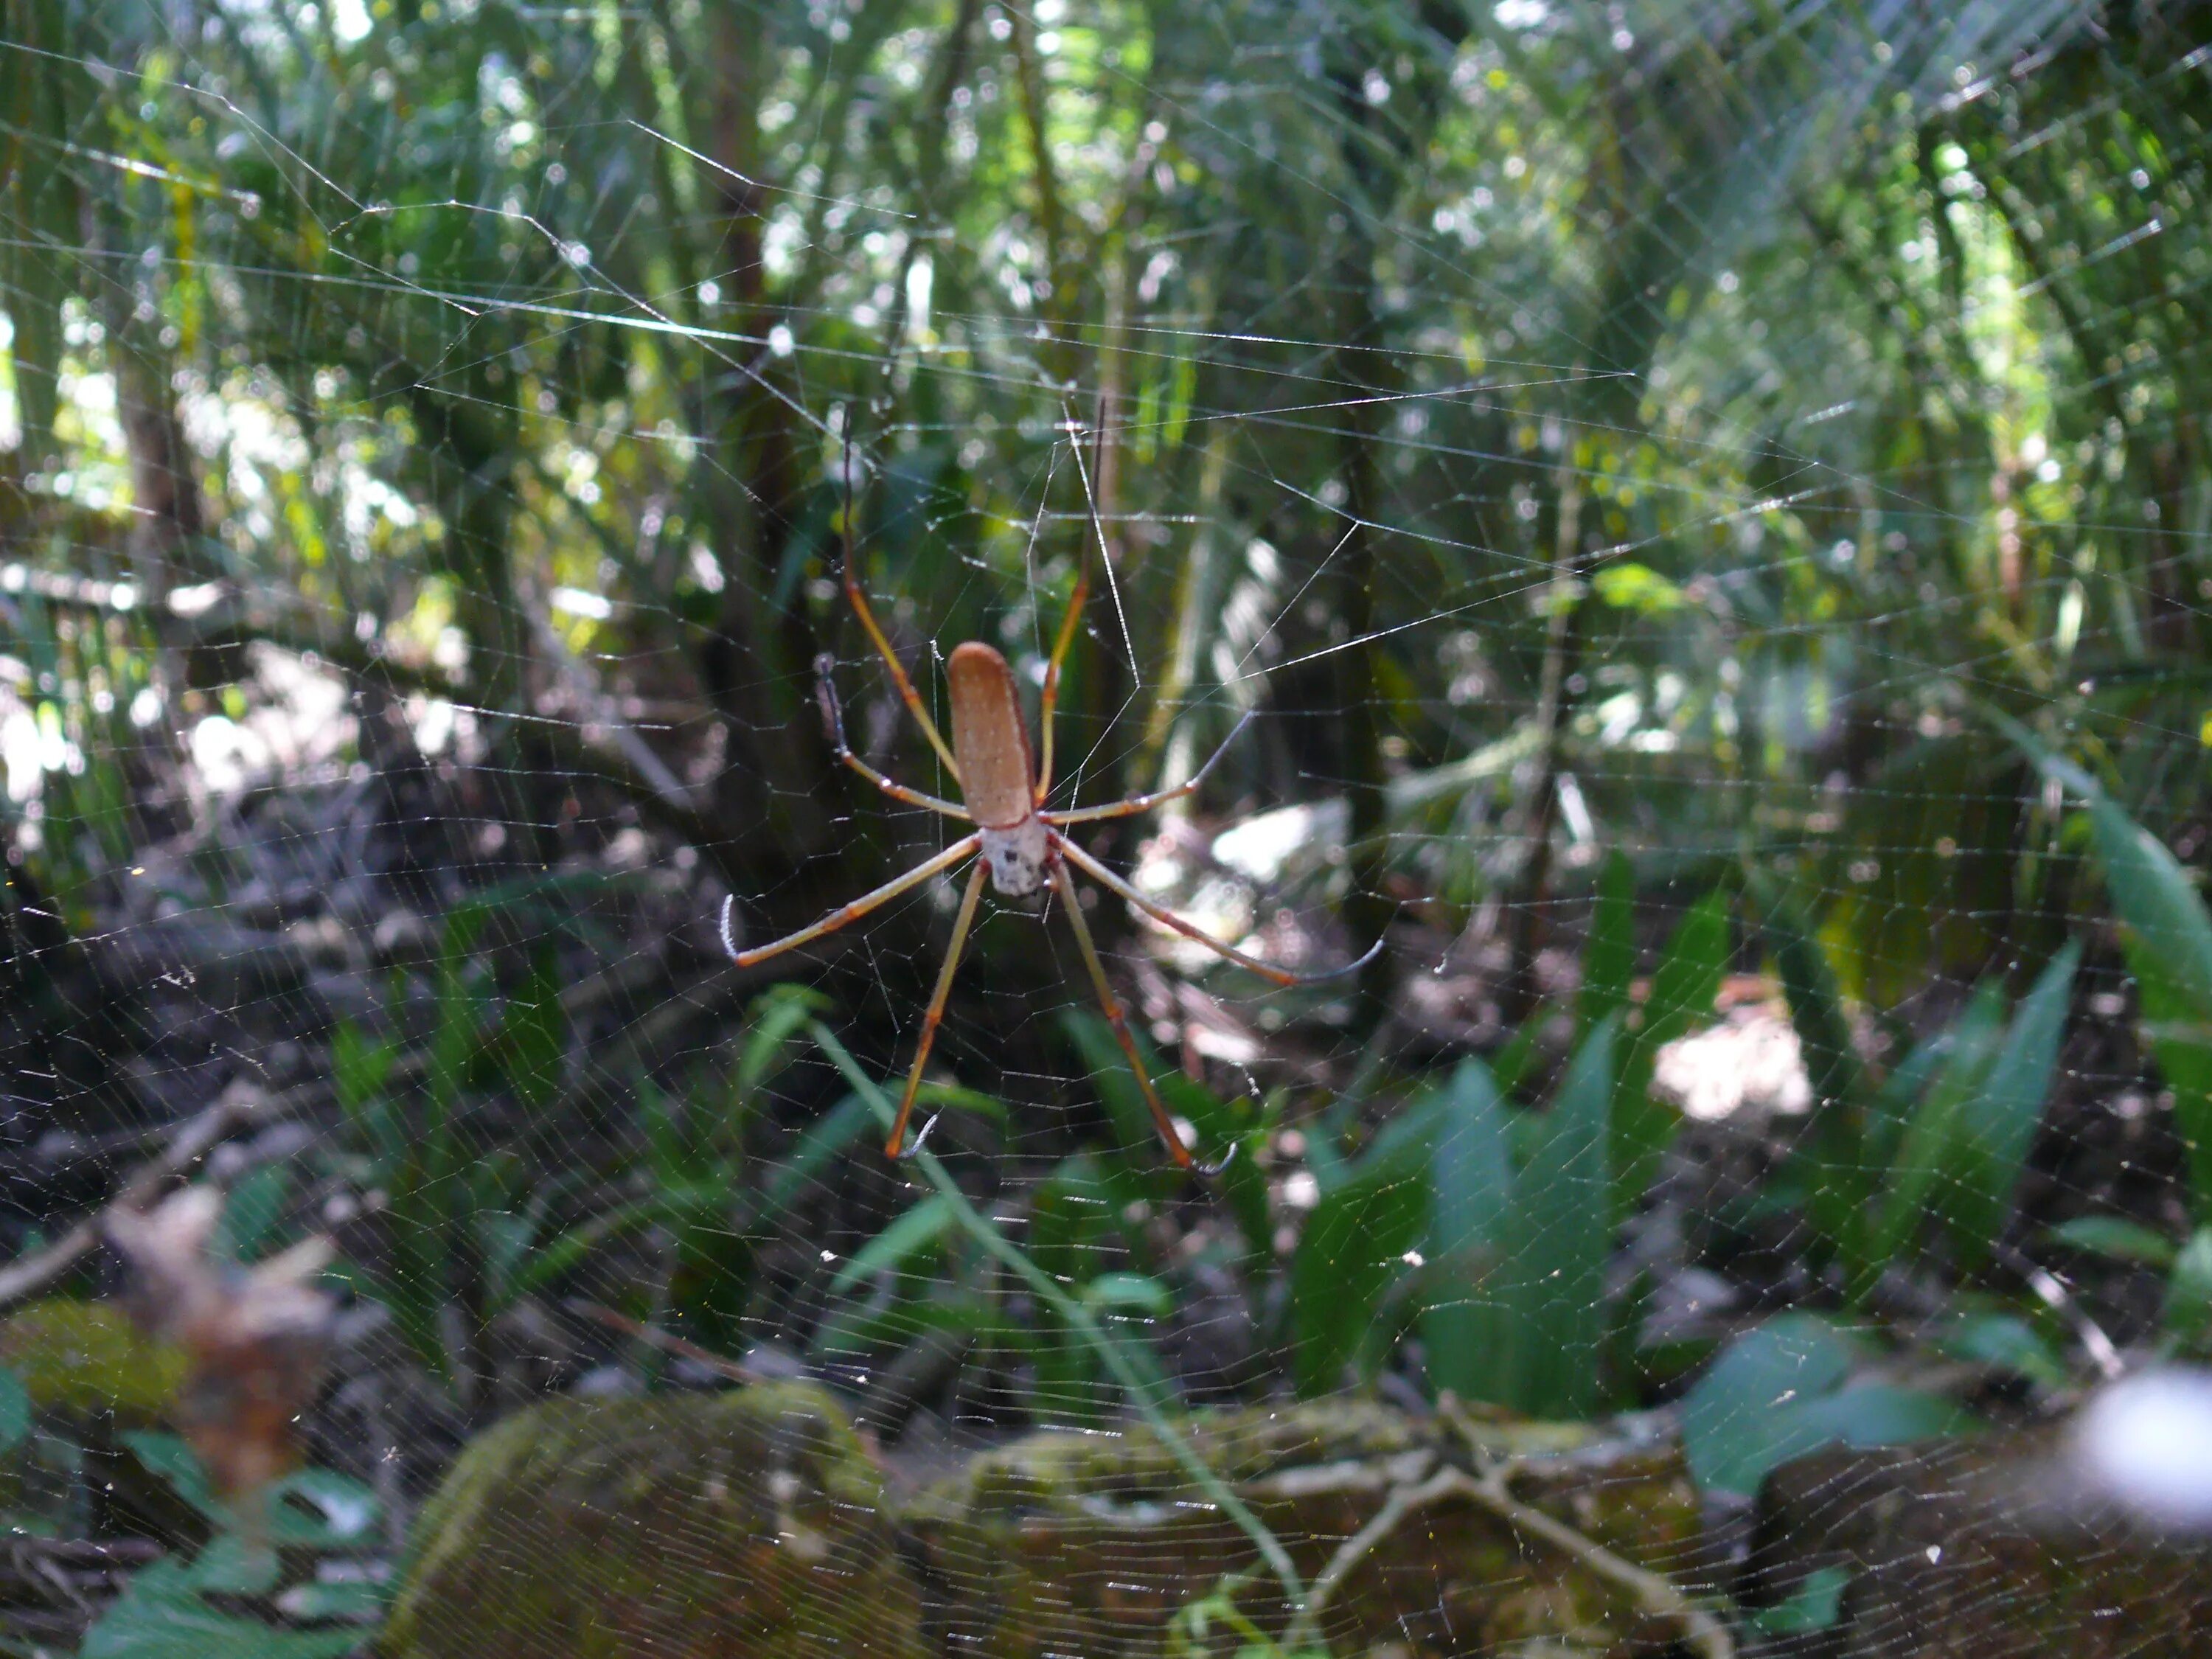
(241, 1104)
(1653, 1594)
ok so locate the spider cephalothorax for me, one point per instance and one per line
(1003, 792)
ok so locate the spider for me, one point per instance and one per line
(1023, 847)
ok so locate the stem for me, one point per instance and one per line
(1131, 1376)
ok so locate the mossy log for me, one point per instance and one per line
(727, 1527)
(753, 1524)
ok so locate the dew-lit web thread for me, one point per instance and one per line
(1756, 490)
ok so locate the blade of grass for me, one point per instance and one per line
(1142, 1389)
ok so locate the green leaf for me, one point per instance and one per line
(1471, 1182)
(1632, 586)
(2117, 1239)
(2189, 1290)
(1137, 1292)
(168, 1456)
(1734, 1417)
(1514, 1065)
(533, 1034)
(1837, 1179)
(357, 1601)
(2003, 1342)
(309, 1508)
(1776, 1394)
(774, 1020)
(1684, 987)
(823, 1140)
(1352, 1251)
(1930, 1150)
(1609, 958)
(358, 1067)
(1876, 1414)
(232, 1566)
(908, 1234)
(15, 1410)
(1552, 1274)
(2168, 944)
(251, 1212)
(1999, 1122)
(1816, 1605)
(161, 1615)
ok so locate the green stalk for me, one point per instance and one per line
(1126, 1370)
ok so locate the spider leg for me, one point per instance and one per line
(860, 603)
(833, 716)
(1106, 878)
(1049, 699)
(931, 1020)
(1110, 1005)
(1136, 803)
(850, 912)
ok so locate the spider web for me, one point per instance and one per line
(1633, 465)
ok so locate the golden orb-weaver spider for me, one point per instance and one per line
(1003, 791)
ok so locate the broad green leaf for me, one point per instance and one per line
(15, 1410)
(1514, 1066)
(1998, 1124)
(2189, 1290)
(358, 1067)
(1471, 1185)
(251, 1212)
(1632, 586)
(908, 1234)
(161, 1615)
(2003, 1341)
(1875, 1414)
(2116, 1238)
(1734, 1417)
(2169, 948)
(1815, 1606)
(232, 1566)
(1929, 1149)
(1352, 1252)
(1552, 1272)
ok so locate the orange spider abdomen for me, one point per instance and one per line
(997, 776)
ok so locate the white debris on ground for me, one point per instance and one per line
(1218, 884)
(1750, 1062)
(297, 722)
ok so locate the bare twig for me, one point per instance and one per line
(1653, 1593)
(653, 1337)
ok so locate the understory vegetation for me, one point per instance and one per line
(1705, 508)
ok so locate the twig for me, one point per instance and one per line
(653, 1337)
(1654, 1594)
(242, 1102)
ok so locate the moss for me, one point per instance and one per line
(84, 1359)
(1068, 1543)
(747, 1524)
(753, 1525)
